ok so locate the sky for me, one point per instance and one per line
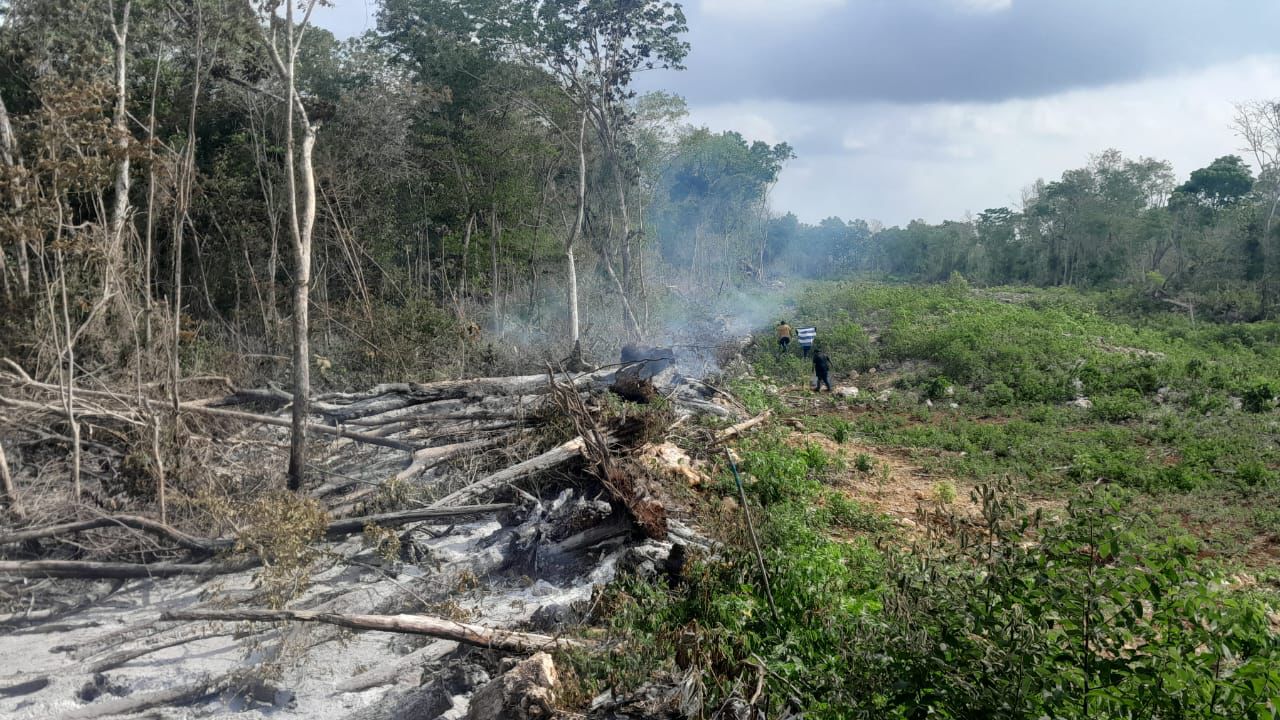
(933, 109)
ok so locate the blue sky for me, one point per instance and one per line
(902, 109)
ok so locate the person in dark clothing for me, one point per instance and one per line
(822, 369)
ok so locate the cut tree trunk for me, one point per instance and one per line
(466, 633)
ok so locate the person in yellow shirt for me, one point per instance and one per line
(784, 335)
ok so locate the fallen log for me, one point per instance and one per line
(735, 430)
(480, 489)
(466, 633)
(350, 526)
(427, 458)
(395, 396)
(366, 438)
(88, 570)
(337, 528)
(204, 410)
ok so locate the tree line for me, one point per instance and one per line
(1209, 242)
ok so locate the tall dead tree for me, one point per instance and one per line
(575, 230)
(120, 205)
(302, 217)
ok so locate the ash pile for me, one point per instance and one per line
(453, 534)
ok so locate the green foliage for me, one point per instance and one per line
(997, 394)
(944, 492)
(1259, 398)
(1103, 614)
(281, 528)
(939, 387)
(1126, 404)
(863, 463)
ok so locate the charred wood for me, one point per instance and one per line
(467, 633)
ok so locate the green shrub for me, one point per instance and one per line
(849, 514)
(1259, 398)
(997, 394)
(1124, 405)
(939, 387)
(1252, 473)
(1105, 615)
(863, 463)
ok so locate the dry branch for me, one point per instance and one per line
(88, 570)
(480, 489)
(133, 522)
(427, 458)
(337, 528)
(623, 481)
(130, 415)
(169, 697)
(26, 683)
(467, 633)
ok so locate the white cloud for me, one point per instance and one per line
(984, 5)
(769, 10)
(940, 160)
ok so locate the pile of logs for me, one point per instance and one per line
(471, 446)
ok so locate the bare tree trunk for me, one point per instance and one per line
(120, 207)
(633, 326)
(151, 202)
(6, 484)
(495, 232)
(625, 245)
(186, 172)
(573, 295)
(466, 256)
(301, 224)
(69, 362)
(301, 300)
(693, 262)
(577, 230)
(427, 235)
(158, 459)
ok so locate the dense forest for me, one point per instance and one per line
(333, 325)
